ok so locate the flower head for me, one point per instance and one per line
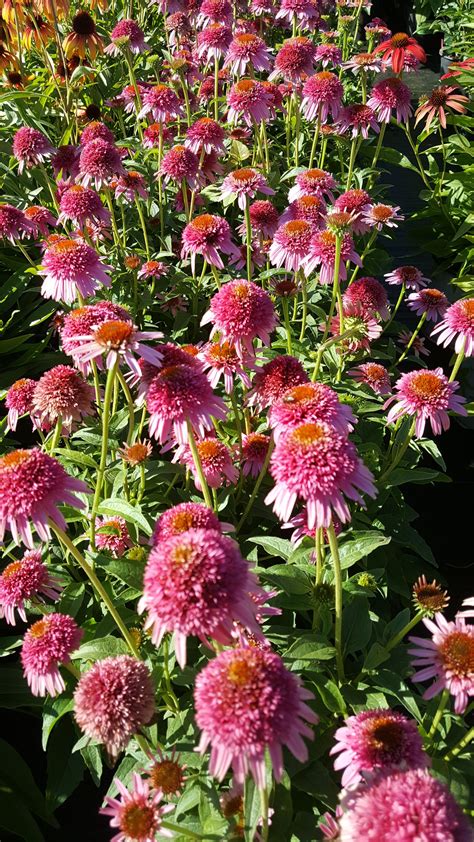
(162, 103)
(254, 452)
(247, 49)
(214, 11)
(126, 34)
(435, 106)
(248, 100)
(197, 583)
(31, 147)
(118, 339)
(428, 395)
(240, 312)
(313, 182)
(410, 276)
(310, 209)
(290, 244)
(32, 484)
(137, 814)
(382, 216)
(83, 37)
(82, 206)
(274, 378)
(19, 400)
(183, 517)
(402, 805)
(295, 59)
(167, 773)
(429, 597)
(207, 234)
(373, 375)
(220, 359)
(25, 580)
(322, 95)
(205, 134)
(96, 130)
(152, 269)
(369, 294)
(377, 739)
(391, 96)
(179, 395)
(245, 184)
(214, 41)
(358, 118)
(322, 254)
(253, 688)
(99, 161)
(112, 535)
(71, 267)
(113, 700)
(180, 164)
(395, 49)
(81, 321)
(136, 453)
(363, 62)
(216, 462)
(431, 301)
(13, 223)
(62, 393)
(131, 185)
(40, 219)
(316, 464)
(309, 402)
(65, 161)
(48, 643)
(457, 324)
(263, 217)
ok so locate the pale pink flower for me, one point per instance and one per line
(183, 517)
(410, 276)
(427, 395)
(457, 324)
(138, 813)
(363, 62)
(214, 11)
(116, 339)
(254, 452)
(322, 96)
(112, 535)
(322, 254)
(214, 41)
(245, 184)
(95, 131)
(240, 312)
(152, 269)
(205, 135)
(131, 185)
(359, 118)
(82, 205)
(207, 234)
(220, 359)
(99, 161)
(19, 401)
(417, 348)
(71, 267)
(40, 219)
(310, 209)
(62, 393)
(48, 643)
(313, 182)
(365, 327)
(373, 375)
(13, 223)
(248, 101)
(382, 216)
(26, 580)
(247, 49)
(263, 217)
(80, 322)
(305, 13)
(468, 608)
(328, 54)
(391, 96)
(431, 301)
(290, 244)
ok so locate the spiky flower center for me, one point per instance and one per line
(439, 97)
(429, 597)
(204, 223)
(244, 86)
(300, 394)
(114, 334)
(223, 353)
(364, 59)
(65, 247)
(426, 385)
(374, 371)
(209, 449)
(468, 309)
(432, 296)
(399, 40)
(382, 213)
(308, 434)
(39, 629)
(11, 570)
(182, 521)
(83, 24)
(297, 227)
(409, 274)
(240, 671)
(138, 821)
(246, 39)
(457, 653)
(137, 453)
(13, 460)
(385, 734)
(167, 775)
(243, 175)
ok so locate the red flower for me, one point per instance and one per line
(396, 48)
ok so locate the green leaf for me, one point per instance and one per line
(72, 598)
(315, 780)
(16, 818)
(65, 769)
(133, 514)
(330, 694)
(400, 476)
(356, 625)
(15, 774)
(278, 547)
(361, 545)
(76, 458)
(103, 647)
(376, 655)
(287, 577)
(129, 572)
(93, 760)
(53, 710)
(308, 648)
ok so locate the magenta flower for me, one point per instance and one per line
(247, 49)
(364, 325)
(359, 119)
(40, 220)
(19, 401)
(291, 244)
(428, 395)
(247, 702)
(263, 217)
(381, 216)
(310, 209)
(117, 339)
(183, 517)
(152, 269)
(178, 395)
(97, 131)
(162, 103)
(71, 267)
(14, 225)
(433, 302)
(126, 34)
(31, 148)
(417, 347)
(240, 312)
(48, 643)
(448, 658)
(294, 60)
(248, 101)
(305, 13)
(214, 11)
(113, 700)
(322, 254)
(207, 235)
(99, 161)
(32, 485)
(313, 183)
(216, 463)
(27, 579)
(214, 41)
(410, 276)
(245, 184)
(65, 161)
(254, 452)
(220, 359)
(402, 805)
(391, 96)
(373, 375)
(356, 202)
(274, 378)
(112, 535)
(131, 185)
(458, 325)
(316, 464)
(322, 95)
(80, 322)
(137, 814)
(205, 134)
(369, 295)
(180, 164)
(308, 403)
(62, 393)
(198, 584)
(377, 739)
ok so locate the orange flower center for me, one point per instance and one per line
(299, 394)
(297, 226)
(364, 59)
(11, 569)
(427, 385)
(382, 212)
(182, 521)
(245, 86)
(308, 434)
(243, 175)
(224, 352)
(208, 449)
(385, 734)
(64, 246)
(182, 554)
(240, 671)
(39, 628)
(167, 776)
(457, 653)
(241, 291)
(246, 39)
(137, 452)
(310, 201)
(433, 295)
(400, 39)
(192, 350)
(204, 222)
(18, 384)
(76, 188)
(315, 174)
(13, 459)
(114, 334)
(138, 822)
(468, 307)
(375, 371)
(324, 75)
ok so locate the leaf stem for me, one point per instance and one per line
(333, 544)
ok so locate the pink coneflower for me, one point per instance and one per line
(205, 135)
(138, 814)
(316, 464)
(381, 216)
(356, 202)
(322, 253)
(391, 95)
(82, 206)
(402, 805)
(248, 100)
(216, 463)
(245, 184)
(428, 395)
(240, 312)
(433, 302)
(167, 773)
(32, 485)
(113, 536)
(359, 118)
(207, 234)
(116, 339)
(126, 34)
(364, 327)
(458, 324)
(310, 209)
(131, 185)
(19, 401)
(48, 643)
(294, 60)
(396, 48)
(313, 182)
(373, 375)
(253, 688)
(136, 453)
(363, 62)
(96, 131)
(214, 11)
(377, 739)
(247, 49)
(151, 135)
(263, 218)
(79, 322)
(417, 347)
(274, 378)
(113, 700)
(66, 161)
(31, 148)
(27, 579)
(377, 27)
(183, 517)
(254, 452)
(152, 269)
(40, 220)
(309, 402)
(410, 276)
(180, 164)
(99, 161)
(71, 267)
(369, 294)
(62, 393)
(162, 103)
(322, 95)
(305, 13)
(220, 359)
(328, 54)
(198, 584)
(448, 658)
(214, 41)
(178, 395)
(179, 27)
(13, 223)
(291, 244)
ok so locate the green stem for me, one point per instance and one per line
(304, 293)
(108, 199)
(264, 805)
(215, 274)
(97, 585)
(333, 544)
(379, 145)
(256, 487)
(416, 154)
(56, 435)
(457, 363)
(395, 640)
(397, 305)
(198, 466)
(459, 746)
(248, 237)
(363, 256)
(109, 387)
(315, 141)
(180, 830)
(286, 317)
(133, 80)
(412, 339)
(142, 223)
(25, 253)
(400, 453)
(297, 128)
(238, 424)
(439, 713)
(130, 404)
(318, 543)
(354, 146)
(335, 288)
